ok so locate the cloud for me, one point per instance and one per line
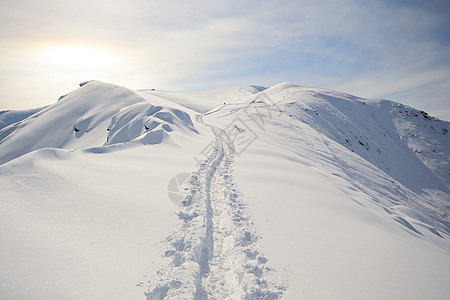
(371, 47)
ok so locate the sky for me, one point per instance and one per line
(391, 49)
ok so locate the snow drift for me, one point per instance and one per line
(96, 114)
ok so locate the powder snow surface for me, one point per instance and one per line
(286, 192)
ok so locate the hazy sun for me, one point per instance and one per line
(78, 58)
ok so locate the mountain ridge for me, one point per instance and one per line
(282, 189)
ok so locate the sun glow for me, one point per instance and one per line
(78, 58)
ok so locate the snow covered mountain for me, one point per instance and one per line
(243, 193)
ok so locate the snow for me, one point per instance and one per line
(8, 117)
(291, 192)
(94, 115)
(206, 100)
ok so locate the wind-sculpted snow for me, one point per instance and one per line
(381, 132)
(97, 114)
(147, 122)
(407, 145)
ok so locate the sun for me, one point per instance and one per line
(78, 58)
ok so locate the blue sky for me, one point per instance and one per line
(397, 50)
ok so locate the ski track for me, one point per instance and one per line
(216, 253)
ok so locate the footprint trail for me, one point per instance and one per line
(215, 254)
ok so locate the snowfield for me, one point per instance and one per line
(286, 192)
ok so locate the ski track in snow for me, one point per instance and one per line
(215, 254)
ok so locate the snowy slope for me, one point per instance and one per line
(355, 223)
(203, 101)
(286, 192)
(8, 117)
(94, 115)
